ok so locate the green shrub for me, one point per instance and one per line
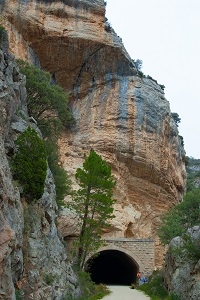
(45, 101)
(155, 288)
(90, 291)
(49, 278)
(141, 74)
(176, 118)
(149, 77)
(189, 249)
(162, 86)
(193, 172)
(48, 104)
(29, 164)
(61, 178)
(2, 30)
(181, 217)
(18, 294)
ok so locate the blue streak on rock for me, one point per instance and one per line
(108, 79)
(107, 87)
(75, 113)
(123, 99)
(140, 109)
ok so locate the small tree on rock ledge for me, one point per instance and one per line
(93, 203)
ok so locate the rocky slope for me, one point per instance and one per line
(123, 117)
(193, 173)
(32, 257)
(182, 275)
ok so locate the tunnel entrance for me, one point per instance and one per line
(112, 267)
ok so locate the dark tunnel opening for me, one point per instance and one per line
(112, 267)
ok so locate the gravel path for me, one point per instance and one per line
(125, 293)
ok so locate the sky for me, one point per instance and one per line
(165, 35)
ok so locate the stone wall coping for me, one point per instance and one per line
(120, 240)
(129, 240)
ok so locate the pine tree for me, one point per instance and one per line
(93, 203)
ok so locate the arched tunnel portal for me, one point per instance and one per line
(112, 267)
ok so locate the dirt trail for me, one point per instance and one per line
(125, 293)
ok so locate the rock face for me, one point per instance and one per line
(182, 276)
(123, 117)
(32, 257)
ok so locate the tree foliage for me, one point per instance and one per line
(190, 248)
(138, 64)
(181, 217)
(61, 178)
(176, 118)
(29, 164)
(193, 173)
(48, 104)
(93, 203)
(2, 30)
(45, 101)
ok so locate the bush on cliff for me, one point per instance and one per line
(176, 118)
(48, 105)
(29, 164)
(45, 101)
(61, 178)
(181, 217)
(2, 29)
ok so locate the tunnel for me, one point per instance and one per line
(112, 267)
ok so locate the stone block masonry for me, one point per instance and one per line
(140, 251)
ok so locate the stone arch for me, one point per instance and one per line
(132, 255)
(113, 265)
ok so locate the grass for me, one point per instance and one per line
(155, 288)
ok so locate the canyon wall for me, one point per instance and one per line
(123, 117)
(182, 272)
(33, 260)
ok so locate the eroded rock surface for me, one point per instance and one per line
(124, 118)
(182, 275)
(32, 257)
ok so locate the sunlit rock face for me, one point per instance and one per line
(129, 123)
(71, 39)
(124, 118)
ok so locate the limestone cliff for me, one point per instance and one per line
(182, 274)
(32, 257)
(125, 118)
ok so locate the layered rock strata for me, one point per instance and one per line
(32, 257)
(123, 117)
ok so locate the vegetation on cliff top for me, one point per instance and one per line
(138, 64)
